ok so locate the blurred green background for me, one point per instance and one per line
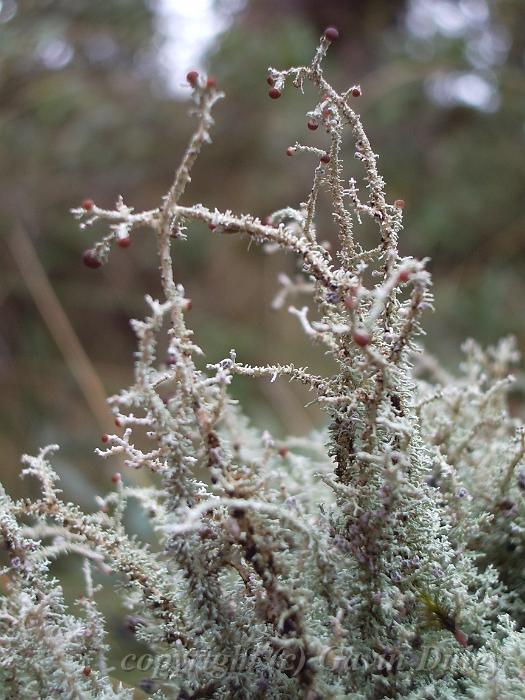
(93, 104)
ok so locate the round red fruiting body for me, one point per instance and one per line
(290, 151)
(283, 451)
(124, 242)
(87, 670)
(404, 276)
(361, 337)
(399, 203)
(88, 204)
(325, 158)
(192, 77)
(116, 478)
(356, 92)
(312, 124)
(91, 259)
(105, 438)
(350, 299)
(274, 93)
(331, 33)
(211, 82)
(270, 81)
(118, 423)
(461, 638)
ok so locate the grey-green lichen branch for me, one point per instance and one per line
(333, 565)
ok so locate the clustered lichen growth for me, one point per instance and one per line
(382, 558)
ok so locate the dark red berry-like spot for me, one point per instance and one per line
(274, 93)
(312, 124)
(91, 259)
(105, 438)
(283, 451)
(356, 92)
(399, 203)
(290, 151)
(461, 638)
(124, 242)
(270, 81)
(325, 158)
(87, 670)
(118, 423)
(361, 337)
(212, 227)
(331, 34)
(192, 77)
(404, 276)
(211, 82)
(88, 204)
(116, 478)
(349, 302)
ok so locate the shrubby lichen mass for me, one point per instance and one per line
(382, 558)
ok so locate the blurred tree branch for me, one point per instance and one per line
(58, 324)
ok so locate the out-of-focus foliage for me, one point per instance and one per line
(82, 111)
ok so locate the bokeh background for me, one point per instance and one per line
(93, 104)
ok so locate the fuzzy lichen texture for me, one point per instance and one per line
(366, 561)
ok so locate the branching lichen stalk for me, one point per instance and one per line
(381, 557)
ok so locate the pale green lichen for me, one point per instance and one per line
(382, 558)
